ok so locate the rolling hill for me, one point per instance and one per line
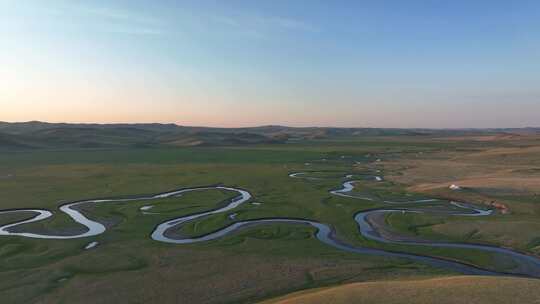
(43, 135)
(448, 290)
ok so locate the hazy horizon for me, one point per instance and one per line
(255, 126)
(381, 64)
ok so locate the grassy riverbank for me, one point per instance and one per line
(257, 263)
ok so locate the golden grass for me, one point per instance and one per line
(519, 184)
(448, 290)
(485, 138)
(504, 177)
(506, 152)
(489, 170)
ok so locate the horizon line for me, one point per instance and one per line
(267, 125)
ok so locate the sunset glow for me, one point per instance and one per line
(245, 63)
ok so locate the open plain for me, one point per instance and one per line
(487, 225)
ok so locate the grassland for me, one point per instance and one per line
(258, 263)
(448, 290)
(505, 177)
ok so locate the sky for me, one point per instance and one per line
(229, 63)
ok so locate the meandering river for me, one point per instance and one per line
(368, 227)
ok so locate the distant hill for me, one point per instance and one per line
(42, 135)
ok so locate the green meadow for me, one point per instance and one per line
(254, 264)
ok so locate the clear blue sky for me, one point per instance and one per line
(243, 63)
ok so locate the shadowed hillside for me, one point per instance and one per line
(42, 135)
